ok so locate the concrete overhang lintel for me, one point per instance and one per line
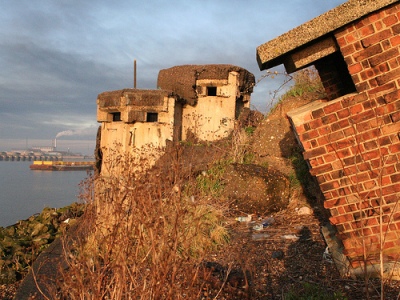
(270, 54)
(308, 55)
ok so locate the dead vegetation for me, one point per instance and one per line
(172, 233)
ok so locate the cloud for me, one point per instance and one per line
(57, 56)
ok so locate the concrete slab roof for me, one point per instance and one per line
(272, 53)
(133, 97)
(182, 79)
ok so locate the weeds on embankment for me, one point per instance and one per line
(145, 237)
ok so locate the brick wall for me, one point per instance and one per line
(353, 143)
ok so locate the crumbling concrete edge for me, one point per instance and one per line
(391, 270)
(336, 249)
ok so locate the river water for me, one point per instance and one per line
(24, 192)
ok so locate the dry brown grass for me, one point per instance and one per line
(145, 237)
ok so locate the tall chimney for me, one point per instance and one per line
(134, 74)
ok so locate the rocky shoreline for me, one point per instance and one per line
(22, 242)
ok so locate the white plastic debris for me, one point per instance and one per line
(304, 211)
(244, 219)
(327, 255)
(258, 227)
(292, 237)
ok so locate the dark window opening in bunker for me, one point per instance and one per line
(211, 91)
(116, 116)
(152, 117)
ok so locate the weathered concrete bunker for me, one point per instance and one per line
(192, 101)
(352, 140)
(214, 96)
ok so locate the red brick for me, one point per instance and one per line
(366, 53)
(367, 30)
(384, 141)
(321, 169)
(384, 88)
(324, 130)
(376, 38)
(315, 124)
(318, 113)
(383, 68)
(341, 219)
(390, 76)
(314, 152)
(369, 185)
(369, 104)
(341, 210)
(347, 50)
(395, 117)
(376, 16)
(394, 41)
(358, 46)
(364, 126)
(329, 119)
(371, 155)
(340, 125)
(372, 222)
(356, 109)
(372, 134)
(386, 45)
(390, 20)
(383, 57)
(391, 189)
(393, 63)
(329, 186)
(395, 178)
(370, 145)
(386, 180)
(388, 170)
(329, 158)
(322, 141)
(396, 29)
(373, 83)
(330, 203)
(395, 148)
(364, 116)
(334, 107)
(300, 129)
(343, 153)
(310, 135)
(343, 144)
(378, 26)
(392, 128)
(352, 37)
(362, 87)
(341, 41)
(353, 69)
(336, 136)
(382, 111)
(395, 9)
(344, 113)
(367, 74)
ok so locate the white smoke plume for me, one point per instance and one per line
(79, 132)
(65, 132)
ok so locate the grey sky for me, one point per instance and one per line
(57, 56)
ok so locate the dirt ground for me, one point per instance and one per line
(288, 255)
